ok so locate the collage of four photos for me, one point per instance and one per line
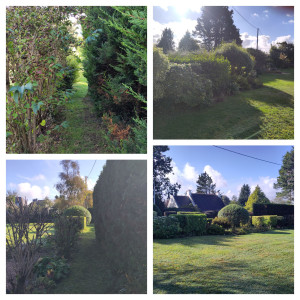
(86, 90)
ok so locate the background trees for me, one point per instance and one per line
(187, 43)
(216, 26)
(205, 184)
(257, 197)
(166, 42)
(244, 194)
(285, 180)
(161, 182)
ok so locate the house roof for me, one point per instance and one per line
(182, 201)
(207, 202)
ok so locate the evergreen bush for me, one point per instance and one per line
(264, 221)
(235, 214)
(192, 224)
(165, 227)
(77, 210)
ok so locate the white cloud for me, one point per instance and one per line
(30, 192)
(291, 21)
(189, 172)
(178, 28)
(266, 11)
(288, 15)
(164, 7)
(34, 178)
(216, 176)
(285, 38)
(255, 15)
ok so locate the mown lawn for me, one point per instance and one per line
(90, 272)
(264, 113)
(258, 263)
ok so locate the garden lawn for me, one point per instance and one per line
(90, 272)
(264, 113)
(84, 133)
(258, 263)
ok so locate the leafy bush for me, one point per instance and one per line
(224, 222)
(81, 221)
(264, 221)
(170, 212)
(66, 235)
(240, 60)
(154, 214)
(272, 209)
(286, 221)
(235, 214)
(165, 227)
(261, 60)
(192, 224)
(256, 197)
(77, 210)
(157, 209)
(182, 85)
(215, 229)
(160, 68)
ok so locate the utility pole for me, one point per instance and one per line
(257, 39)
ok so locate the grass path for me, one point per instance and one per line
(90, 272)
(83, 134)
(264, 113)
(258, 263)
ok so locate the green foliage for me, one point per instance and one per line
(240, 60)
(160, 68)
(166, 42)
(78, 210)
(272, 209)
(157, 210)
(165, 227)
(192, 224)
(205, 184)
(257, 197)
(187, 43)
(282, 55)
(71, 72)
(38, 44)
(215, 229)
(235, 214)
(182, 85)
(222, 221)
(244, 194)
(261, 60)
(120, 210)
(264, 221)
(225, 200)
(115, 65)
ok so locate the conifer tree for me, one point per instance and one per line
(205, 184)
(244, 194)
(166, 41)
(187, 43)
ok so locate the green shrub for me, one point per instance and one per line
(154, 214)
(165, 227)
(215, 229)
(81, 221)
(182, 85)
(160, 68)
(157, 209)
(261, 60)
(78, 210)
(224, 222)
(170, 212)
(235, 214)
(192, 224)
(66, 234)
(256, 197)
(190, 213)
(240, 60)
(264, 221)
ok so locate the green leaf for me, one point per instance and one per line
(43, 123)
(28, 86)
(8, 133)
(16, 96)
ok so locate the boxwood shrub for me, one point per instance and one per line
(215, 229)
(78, 210)
(235, 214)
(165, 227)
(192, 224)
(264, 221)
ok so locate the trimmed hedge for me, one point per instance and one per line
(286, 221)
(221, 221)
(273, 209)
(78, 210)
(167, 213)
(235, 214)
(264, 221)
(165, 227)
(192, 224)
(81, 221)
(215, 229)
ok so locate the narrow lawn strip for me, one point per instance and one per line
(90, 272)
(260, 263)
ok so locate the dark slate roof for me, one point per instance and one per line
(182, 201)
(207, 202)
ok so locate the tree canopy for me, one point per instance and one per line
(187, 43)
(257, 197)
(216, 26)
(205, 184)
(244, 194)
(285, 180)
(166, 42)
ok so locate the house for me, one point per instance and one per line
(207, 203)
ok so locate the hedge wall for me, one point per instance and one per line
(192, 224)
(120, 216)
(273, 209)
(264, 221)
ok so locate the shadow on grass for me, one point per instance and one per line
(275, 232)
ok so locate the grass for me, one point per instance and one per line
(264, 113)
(258, 263)
(90, 272)
(83, 134)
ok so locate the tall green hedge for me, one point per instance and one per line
(120, 216)
(192, 224)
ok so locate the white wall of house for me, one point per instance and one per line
(172, 202)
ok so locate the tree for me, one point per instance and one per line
(166, 41)
(257, 197)
(234, 199)
(244, 194)
(225, 200)
(72, 187)
(216, 26)
(11, 197)
(187, 43)
(282, 55)
(285, 180)
(205, 184)
(161, 182)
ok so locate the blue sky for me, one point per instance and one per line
(276, 24)
(228, 170)
(36, 178)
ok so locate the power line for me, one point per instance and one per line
(244, 18)
(271, 162)
(92, 169)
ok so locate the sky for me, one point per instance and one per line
(228, 170)
(275, 24)
(36, 178)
